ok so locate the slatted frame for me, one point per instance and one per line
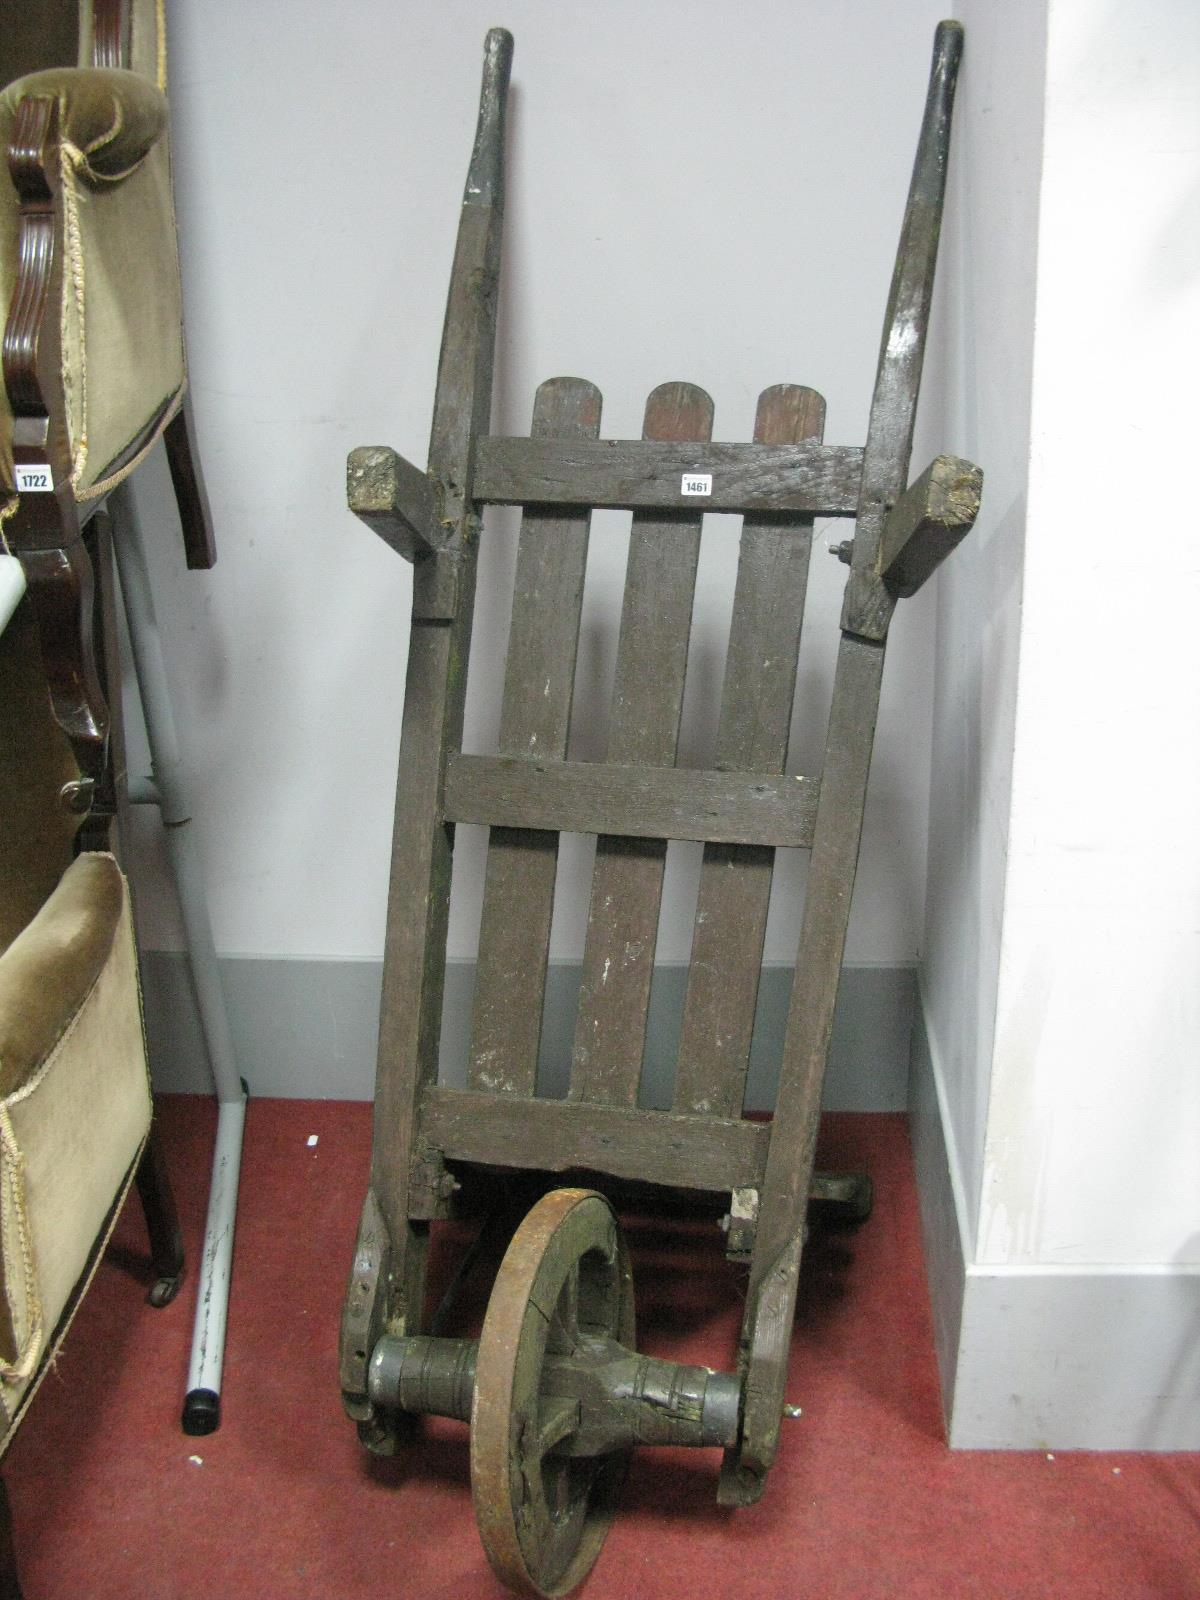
(638, 785)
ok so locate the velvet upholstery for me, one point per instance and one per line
(74, 1089)
(120, 315)
(36, 831)
(112, 118)
(49, 969)
(76, 1108)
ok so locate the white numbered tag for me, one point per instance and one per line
(34, 480)
(696, 483)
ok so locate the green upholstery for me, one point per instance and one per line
(44, 979)
(75, 1113)
(74, 1087)
(112, 118)
(36, 832)
(121, 313)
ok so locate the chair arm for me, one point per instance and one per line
(111, 119)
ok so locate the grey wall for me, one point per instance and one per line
(697, 191)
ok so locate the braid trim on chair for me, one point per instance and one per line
(12, 1204)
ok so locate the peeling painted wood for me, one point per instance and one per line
(752, 732)
(539, 682)
(660, 803)
(656, 618)
(705, 1153)
(646, 474)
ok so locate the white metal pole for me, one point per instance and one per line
(12, 587)
(202, 1403)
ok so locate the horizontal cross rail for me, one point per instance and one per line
(638, 474)
(395, 499)
(932, 516)
(682, 1152)
(758, 808)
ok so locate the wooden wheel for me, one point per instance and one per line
(543, 1515)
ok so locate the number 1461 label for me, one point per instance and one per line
(696, 483)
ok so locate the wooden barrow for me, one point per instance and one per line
(554, 1389)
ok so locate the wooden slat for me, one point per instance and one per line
(518, 897)
(640, 474)
(756, 711)
(558, 1135)
(618, 957)
(758, 808)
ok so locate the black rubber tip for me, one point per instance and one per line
(201, 1412)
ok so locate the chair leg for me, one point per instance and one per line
(162, 1221)
(199, 545)
(10, 1587)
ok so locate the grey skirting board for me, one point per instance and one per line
(306, 1029)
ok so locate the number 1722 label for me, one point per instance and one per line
(34, 480)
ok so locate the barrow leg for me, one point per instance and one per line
(842, 1197)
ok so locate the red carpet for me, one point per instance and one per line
(865, 1502)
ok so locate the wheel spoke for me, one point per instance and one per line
(558, 1419)
(563, 1338)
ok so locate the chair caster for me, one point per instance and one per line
(164, 1290)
